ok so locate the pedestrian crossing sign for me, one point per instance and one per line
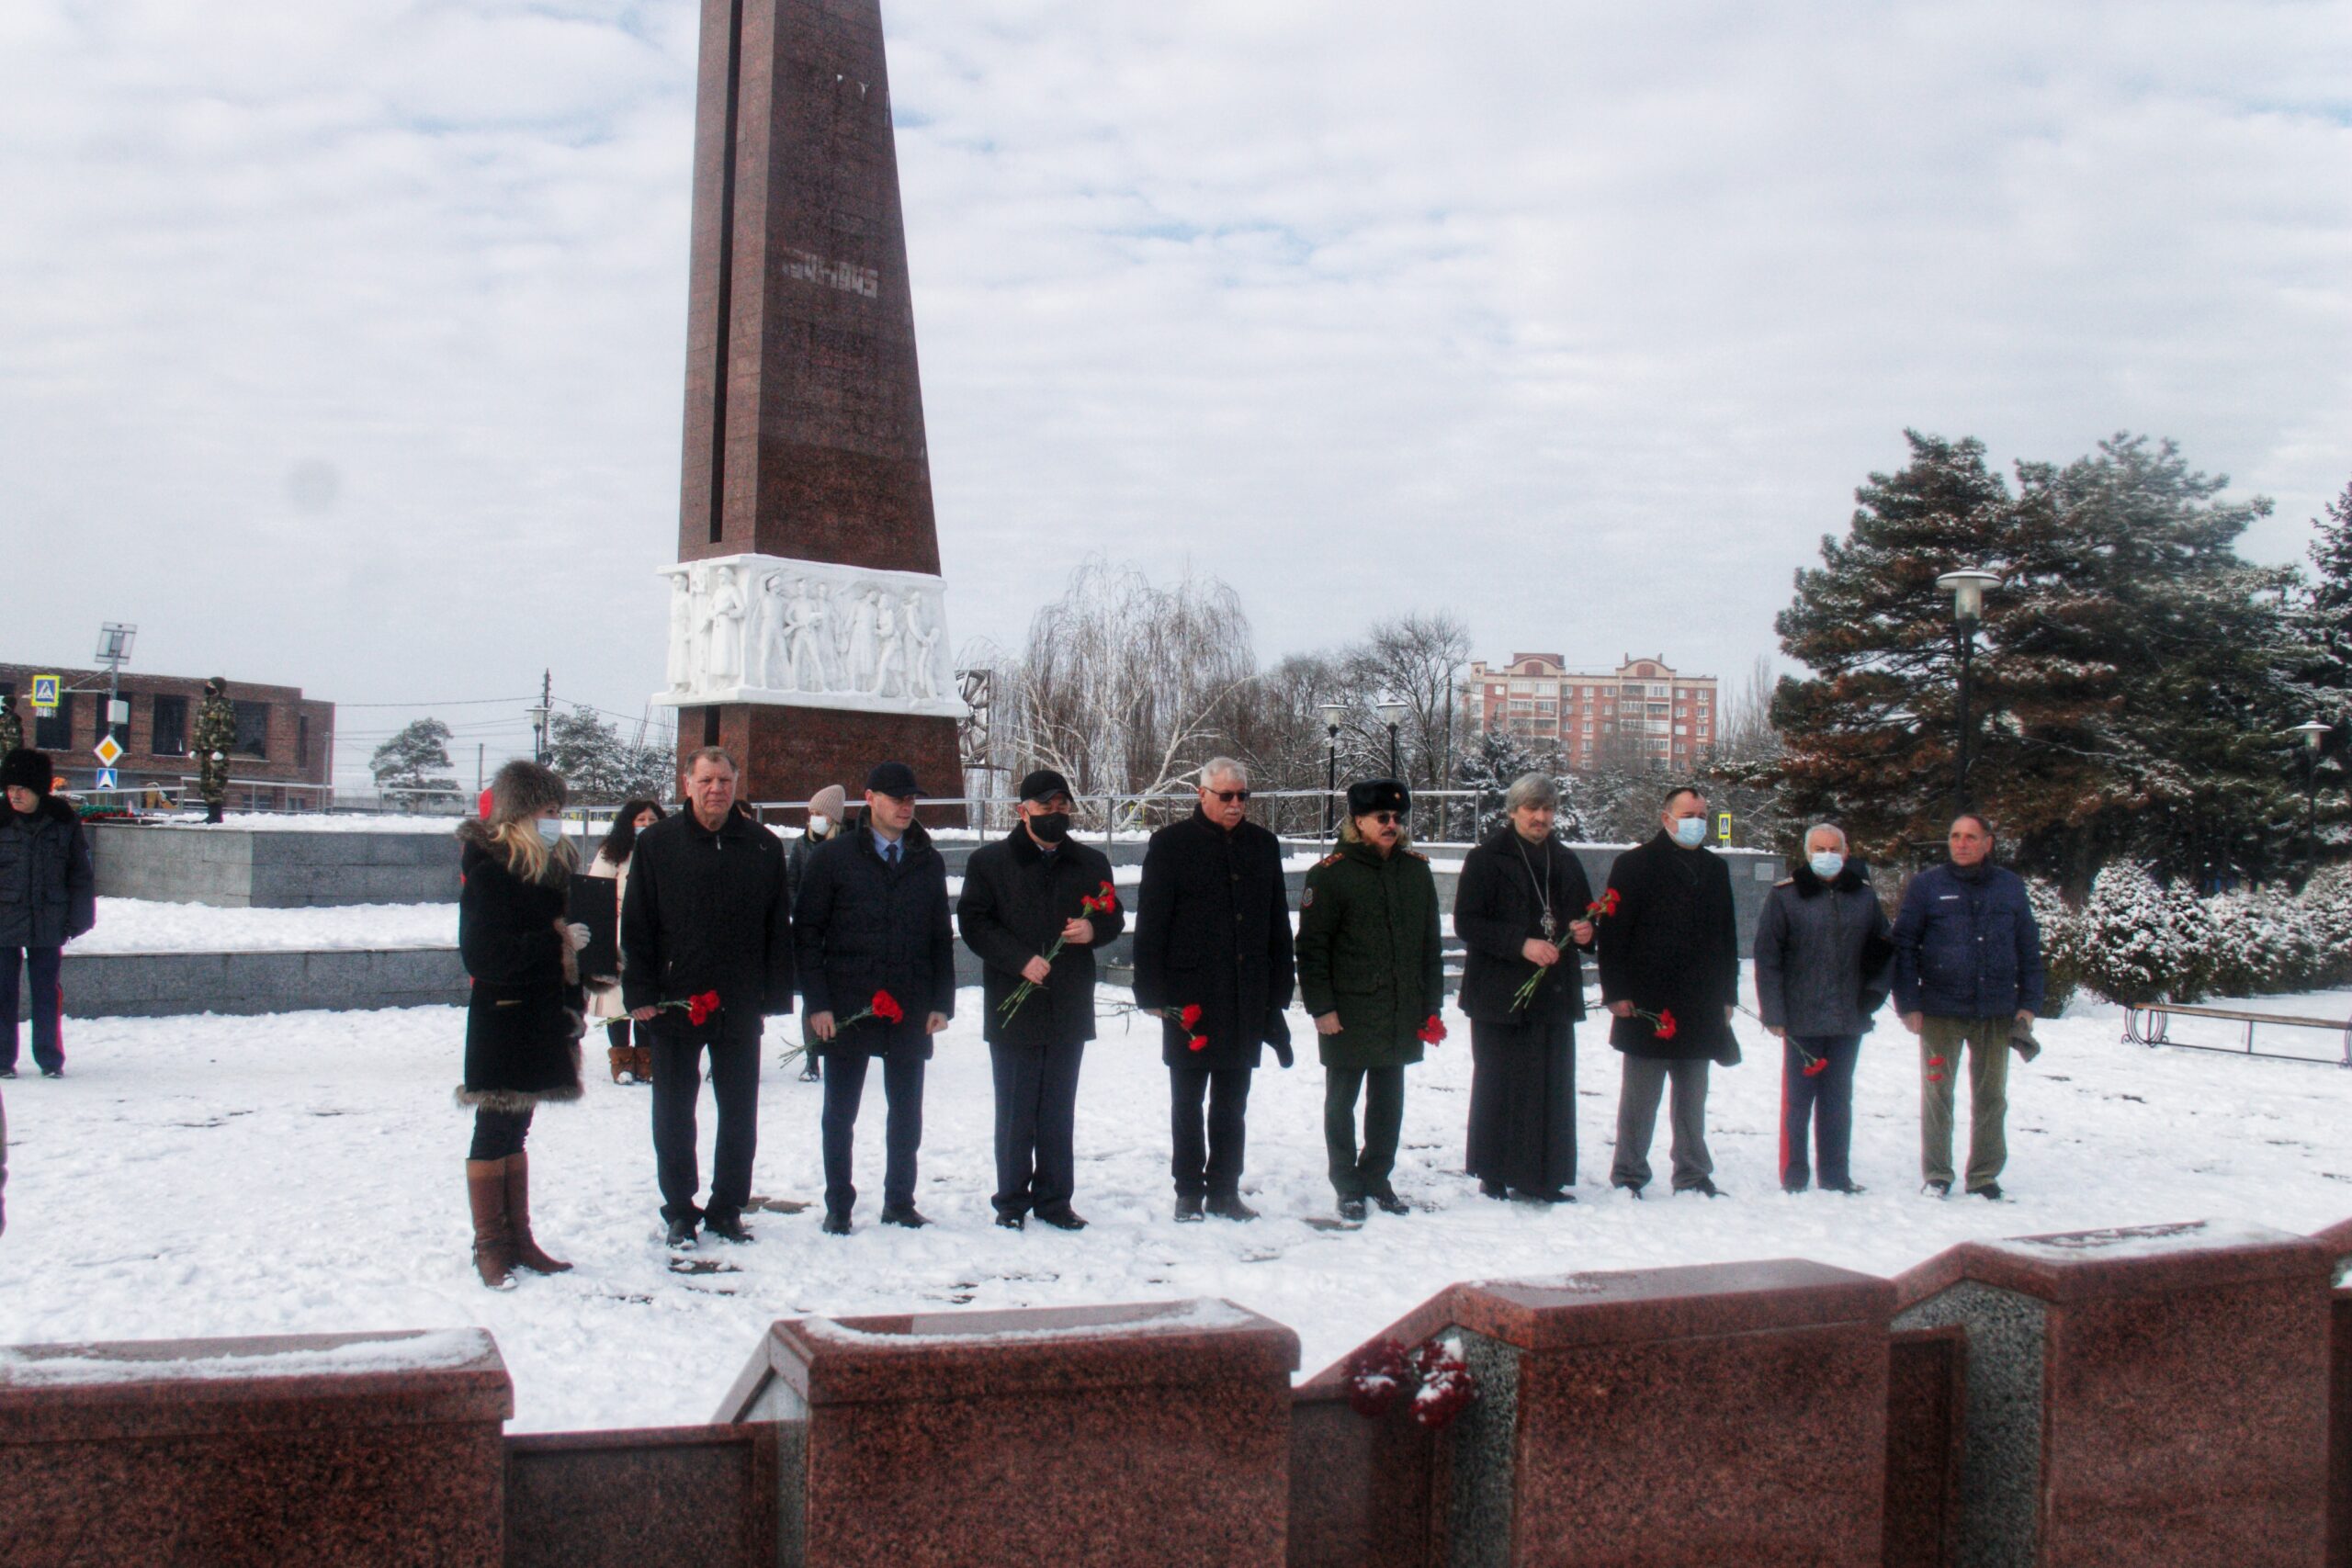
(1723, 826)
(106, 778)
(108, 752)
(45, 694)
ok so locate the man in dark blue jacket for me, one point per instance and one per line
(877, 978)
(48, 896)
(1967, 972)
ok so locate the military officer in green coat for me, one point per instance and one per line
(1370, 973)
(216, 737)
(12, 729)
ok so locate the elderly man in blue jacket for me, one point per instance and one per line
(1967, 973)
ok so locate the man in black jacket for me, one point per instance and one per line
(1669, 975)
(1213, 887)
(706, 912)
(878, 976)
(1034, 892)
(48, 896)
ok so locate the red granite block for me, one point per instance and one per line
(2149, 1395)
(1722, 1414)
(2340, 1441)
(1365, 1493)
(314, 1448)
(705, 1496)
(1927, 1389)
(1155, 1434)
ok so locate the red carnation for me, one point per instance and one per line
(1433, 1032)
(1200, 1043)
(885, 1007)
(1934, 1061)
(699, 1008)
(1448, 1387)
(1666, 1025)
(1106, 898)
(1190, 1017)
(1377, 1375)
(1815, 1067)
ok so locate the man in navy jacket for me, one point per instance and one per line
(1967, 972)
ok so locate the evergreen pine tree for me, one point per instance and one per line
(404, 766)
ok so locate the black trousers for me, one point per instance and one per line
(42, 967)
(902, 1076)
(677, 1087)
(1523, 1103)
(1036, 1116)
(498, 1133)
(1210, 1166)
(1353, 1174)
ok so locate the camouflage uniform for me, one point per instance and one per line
(12, 729)
(216, 737)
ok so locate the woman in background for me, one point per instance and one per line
(630, 1064)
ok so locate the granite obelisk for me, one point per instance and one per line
(808, 633)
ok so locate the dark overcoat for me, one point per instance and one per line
(49, 892)
(865, 926)
(1825, 957)
(1213, 929)
(524, 1020)
(1498, 907)
(708, 910)
(1368, 948)
(1016, 899)
(1673, 946)
(1966, 944)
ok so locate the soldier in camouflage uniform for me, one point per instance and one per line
(216, 737)
(12, 729)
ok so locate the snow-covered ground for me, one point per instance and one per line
(145, 925)
(217, 1176)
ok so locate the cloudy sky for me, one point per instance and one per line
(341, 344)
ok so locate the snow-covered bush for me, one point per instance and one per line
(2062, 945)
(2142, 942)
(2254, 946)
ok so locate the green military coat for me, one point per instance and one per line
(1368, 948)
(216, 737)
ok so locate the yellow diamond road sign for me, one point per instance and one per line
(109, 752)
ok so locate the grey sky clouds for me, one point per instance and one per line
(343, 344)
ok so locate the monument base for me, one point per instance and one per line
(790, 753)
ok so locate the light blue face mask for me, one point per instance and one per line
(1826, 864)
(551, 829)
(1689, 831)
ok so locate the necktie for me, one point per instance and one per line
(893, 856)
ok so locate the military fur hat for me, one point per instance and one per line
(524, 789)
(1367, 795)
(25, 768)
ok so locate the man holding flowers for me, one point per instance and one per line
(1523, 910)
(1035, 905)
(878, 976)
(1213, 961)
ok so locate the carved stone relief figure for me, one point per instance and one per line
(726, 645)
(890, 648)
(858, 661)
(922, 675)
(681, 632)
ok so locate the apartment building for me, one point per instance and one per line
(1644, 712)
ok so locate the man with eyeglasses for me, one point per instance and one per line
(1036, 891)
(872, 921)
(1370, 970)
(1213, 934)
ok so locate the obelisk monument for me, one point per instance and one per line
(808, 633)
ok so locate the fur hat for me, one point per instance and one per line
(1367, 795)
(524, 789)
(25, 768)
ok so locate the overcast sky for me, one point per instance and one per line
(341, 344)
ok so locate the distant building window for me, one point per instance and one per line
(170, 737)
(54, 731)
(253, 729)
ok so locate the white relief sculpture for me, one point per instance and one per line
(763, 628)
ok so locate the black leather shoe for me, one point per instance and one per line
(836, 1223)
(1550, 1195)
(1937, 1188)
(1352, 1208)
(1629, 1189)
(906, 1216)
(1188, 1211)
(1229, 1206)
(1010, 1221)
(1062, 1218)
(727, 1227)
(1850, 1189)
(7, 1072)
(1493, 1189)
(680, 1237)
(1990, 1192)
(1704, 1187)
(52, 1071)
(1391, 1205)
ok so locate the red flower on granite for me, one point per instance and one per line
(1447, 1386)
(1376, 1374)
(1433, 1032)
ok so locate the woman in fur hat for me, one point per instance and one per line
(524, 1023)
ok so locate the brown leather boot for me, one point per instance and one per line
(623, 1060)
(644, 1064)
(528, 1252)
(493, 1247)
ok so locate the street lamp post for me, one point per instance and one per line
(1332, 714)
(1392, 714)
(2313, 732)
(1967, 589)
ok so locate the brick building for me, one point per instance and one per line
(284, 757)
(1643, 711)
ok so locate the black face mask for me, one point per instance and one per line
(1052, 827)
